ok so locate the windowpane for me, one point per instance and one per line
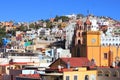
(79, 34)
(100, 73)
(67, 78)
(105, 56)
(115, 74)
(86, 77)
(107, 73)
(75, 77)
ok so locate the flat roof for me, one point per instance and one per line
(52, 74)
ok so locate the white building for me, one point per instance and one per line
(56, 53)
(72, 16)
(43, 31)
(114, 41)
(54, 30)
(69, 33)
(103, 22)
(31, 34)
(95, 26)
(61, 53)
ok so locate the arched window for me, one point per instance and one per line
(106, 44)
(79, 42)
(93, 61)
(78, 34)
(115, 74)
(103, 44)
(100, 73)
(109, 44)
(86, 77)
(107, 73)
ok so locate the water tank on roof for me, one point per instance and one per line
(5, 41)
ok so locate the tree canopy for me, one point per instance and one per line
(64, 18)
(2, 34)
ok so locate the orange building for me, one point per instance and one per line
(87, 43)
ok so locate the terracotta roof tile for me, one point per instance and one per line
(76, 62)
(34, 76)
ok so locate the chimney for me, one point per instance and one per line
(59, 67)
(68, 64)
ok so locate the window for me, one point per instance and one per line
(67, 78)
(106, 44)
(105, 56)
(109, 44)
(115, 74)
(103, 44)
(75, 77)
(100, 73)
(79, 42)
(79, 34)
(86, 77)
(107, 73)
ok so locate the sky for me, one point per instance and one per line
(33, 10)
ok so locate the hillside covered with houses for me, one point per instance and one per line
(58, 44)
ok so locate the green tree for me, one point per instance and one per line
(57, 18)
(22, 28)
(64, 18)
(2, 34)
(37, 26)
(32, 25)
(12, 32)
(49, 25)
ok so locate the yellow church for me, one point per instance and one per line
(87, 43)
